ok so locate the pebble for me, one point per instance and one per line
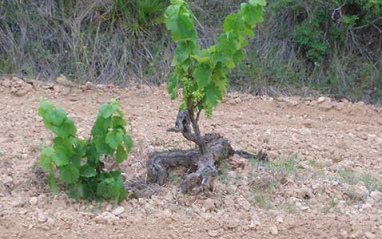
(209, 205)
(6, 83)
(255, 224)
(243, 216)
(33, 201)
(376, 195)
(273, 230)
(321, 99)
(109, 207)
(213, 233)
(90, 86)
(41, 218)
(106, 218)
(361, 191)
(229, 203)
(233, 223)
(305, 131)
(237, 100)
(369, 235)
(8, 180)
(279, 219)
(22, 91)
(18, 203)
(366, 206)
(344, 234)
(118, 211)
(326, 106)
(42, 200)
(243, 203)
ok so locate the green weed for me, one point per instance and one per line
(349, 176)
(370, 181)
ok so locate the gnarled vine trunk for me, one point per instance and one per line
(212, 148)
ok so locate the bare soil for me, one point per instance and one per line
(323, 179)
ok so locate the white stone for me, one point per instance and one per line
(213, 233)
(366, 206)
(369, 235)
(106, 217)
(244, 204)
(33, 201)
(376, 195)
(254, 224)
(118, 211)
(321, 99)
(41, 218)
(279, 219)
(273, 230)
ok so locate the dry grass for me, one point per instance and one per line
(92, 41)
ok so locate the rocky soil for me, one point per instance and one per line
(323, 178)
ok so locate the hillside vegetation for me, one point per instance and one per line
(333, 46)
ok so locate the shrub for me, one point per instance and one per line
(79, 161)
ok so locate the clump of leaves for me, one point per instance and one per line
(202, 73)
(77, 161)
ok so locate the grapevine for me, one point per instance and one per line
(79, 161)
(203, 73)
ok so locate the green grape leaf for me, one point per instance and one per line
(76, 191)
(222, 83)
(66, 129)
(233, 23)
(182, 53)
(87, 171)
(65, 142)
(97, 130)
(105, 124)
(107, 188)
(246, 31)
(102, 147)
(128, 143)
(45, 106)
(202, 74)
(230, 64)
(52, 183)
(106, 110)
(114, 138)
(46, 159)
(69, 173)
(257, 15)
(61, 155)
(202, 59)
(251, 14)
(227, 44)
(93, 155)
(121, 154)
(119, 113)
(118, 122)
(122, 195)
(173, 83)
(115, 104)
(56, 116)
(238, 56)
(181, 25)
(262, 3)
(213, 95)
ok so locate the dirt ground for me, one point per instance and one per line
(323, 179)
